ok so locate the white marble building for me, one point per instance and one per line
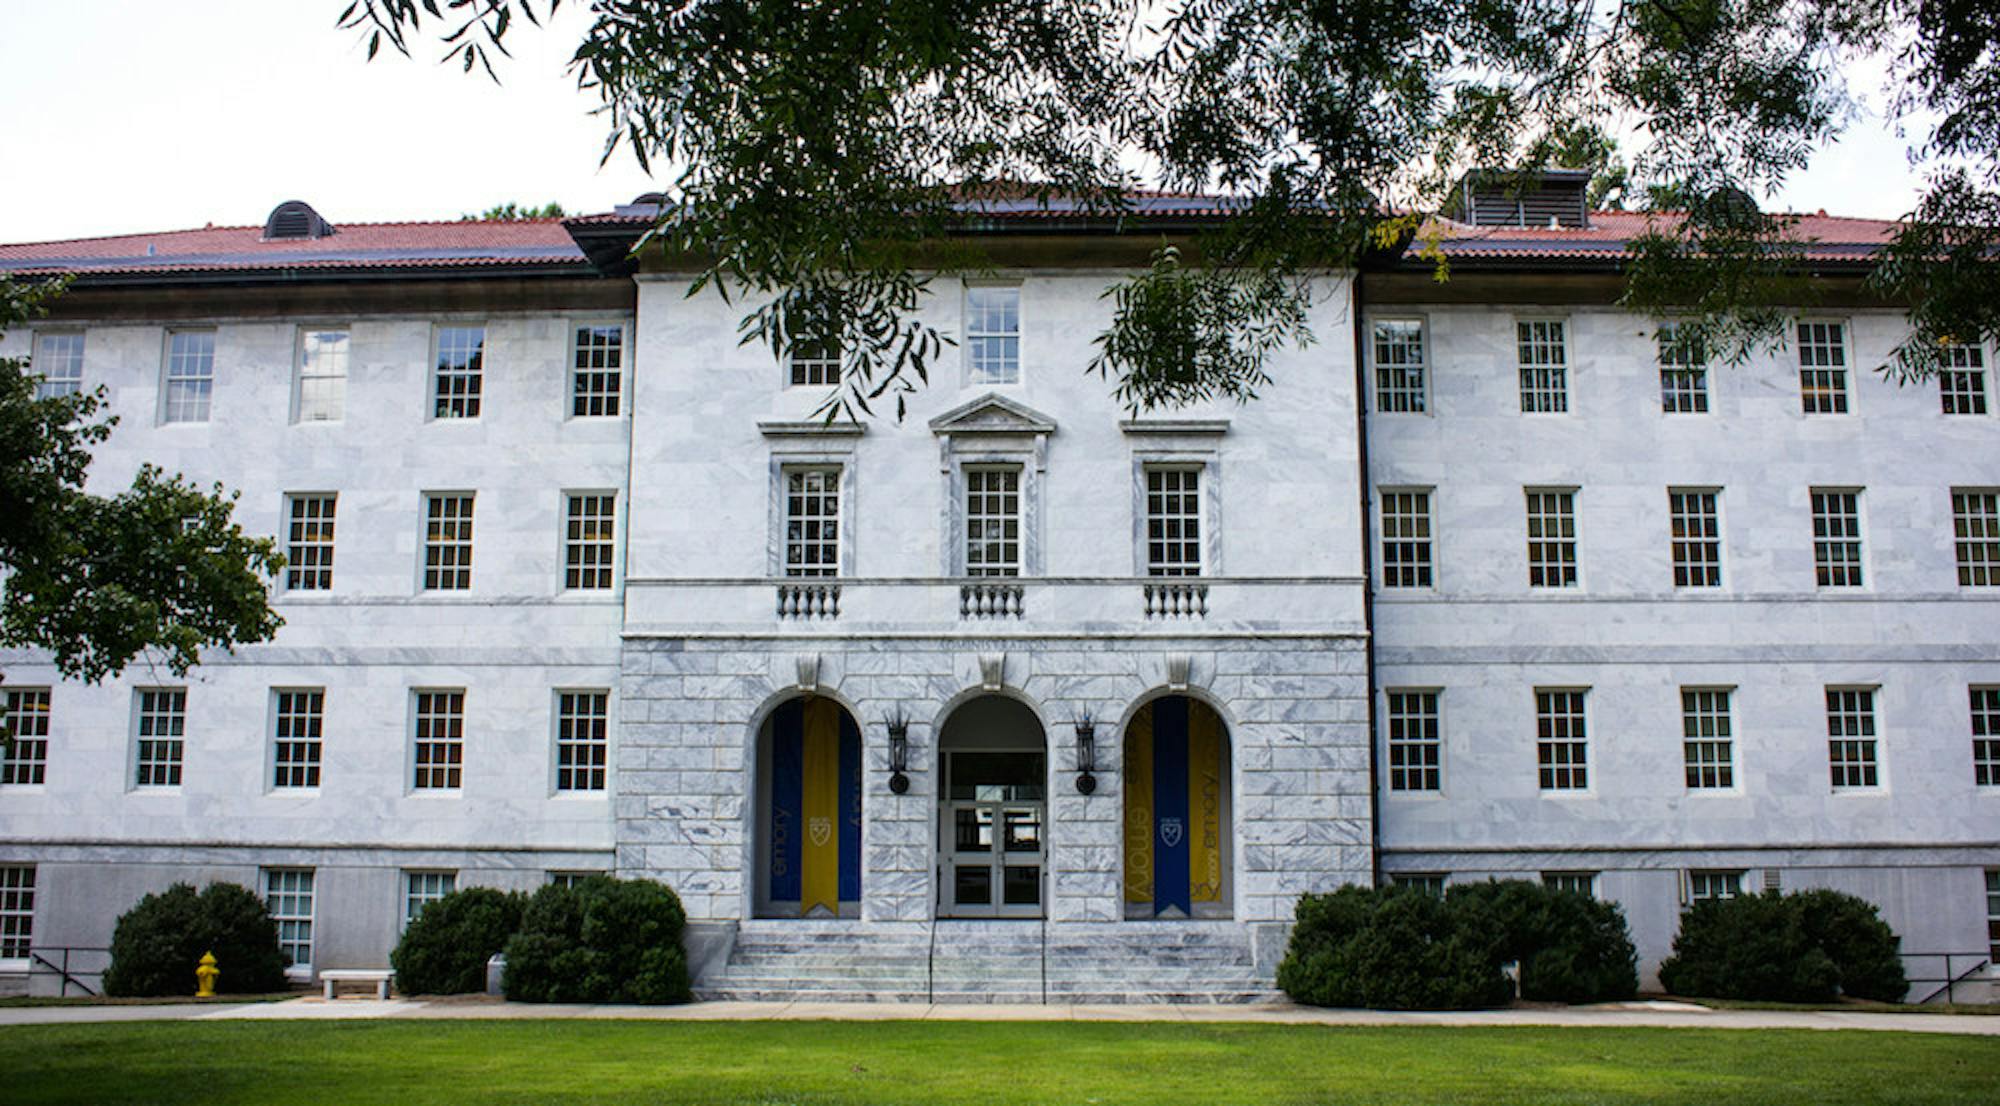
(839, 678)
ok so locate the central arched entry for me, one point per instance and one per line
(808, 827)
(992, 811)
(1177, 811)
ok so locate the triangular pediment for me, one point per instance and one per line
(993, 413)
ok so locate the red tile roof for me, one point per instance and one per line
(352, 246)
(1825, 237)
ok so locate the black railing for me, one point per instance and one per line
(63, 966)
(1971, 963)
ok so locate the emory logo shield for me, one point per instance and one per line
(819, 829)
(1171, 831)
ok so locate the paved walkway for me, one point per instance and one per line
(1612, 1015)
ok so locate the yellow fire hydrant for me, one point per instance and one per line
(204, 976)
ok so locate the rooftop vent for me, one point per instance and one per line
(295, 219)
(1552, 198)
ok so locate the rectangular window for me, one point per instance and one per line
(1850, 737)
(17, 911)
(1837, 537)
(420, 889)
(1985, 736)
(461, 368)
(993, 522)
(1992, 914)
(597, 370)
(1581, 883)
(1704, 886)
(812, 522)
(1415, 751)
(447, 542)
(993, 334)
(1706, 738)
(1173, 522)
(440, 740)
(58, 364)
(295, 738)
(288, 892)
(1823, 368)
(1544, 366)
(571, 879)
(322, 375)
(1975, 528)
(1551, 538)
(1429, 883)
(589, 541)
(1697, 537)
(815, 362)
(1683, 372)
(583, 746)
(27, 756)
(162, 737)
(1561, 740)
(190, 376)
(309, 542)
(1962, 380)
(1400, 366)
(1406, 539)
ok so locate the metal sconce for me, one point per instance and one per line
(1086, 755)
(899, 753)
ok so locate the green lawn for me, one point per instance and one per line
(771, 1063)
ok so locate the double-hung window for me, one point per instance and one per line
(1576, 883)
(1850, 737)
(1823, 367)
(439, 749)
(1401, 366)
(597, 370)
(1173, 521)
(589, 540)
(1993, 915)
(1406, 538)
(812, 521)
(448, 541)
(993, 333)
(1707, 744)
(322, 394)
(583, 746)
(1962, 380)
(1708, 886)
(1985, 735)
(1551, 538)
(993, 521)
(1683, 371)
(162, 737)
(1542, 347)
(17, 912)
(420, 889)
(1416, 752)
(815, 361)
(190, 378)
(1562, 739)
(58, 364)
(1697, 537)
(26, 760)
(1975, 531)
(288, 892)
(296, 733)
(459, 375)
(1837, 537)
(309, 541)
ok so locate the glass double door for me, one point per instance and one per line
(991, 846)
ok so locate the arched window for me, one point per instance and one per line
(1177, 811)
(808, 840)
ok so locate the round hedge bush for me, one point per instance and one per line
(601, 940)
(1569, 946)
(445, 949)
(1391, 949)
(157, 944)
(1809, 946)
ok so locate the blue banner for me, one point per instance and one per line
(1170, 805)
(788, 735)
(850, 809)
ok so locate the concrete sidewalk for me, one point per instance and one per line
(1671, 1015)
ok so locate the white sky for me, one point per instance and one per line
(122, 116)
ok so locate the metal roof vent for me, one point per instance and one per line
(295, 219)
(1552, 198)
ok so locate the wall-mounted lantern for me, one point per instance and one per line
(1086, 755)
(899, 752)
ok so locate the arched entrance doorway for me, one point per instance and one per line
(1177, 811)
(808, 840)
(992, 811)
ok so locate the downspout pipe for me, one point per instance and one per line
(1357, 301)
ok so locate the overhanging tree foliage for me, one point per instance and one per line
(817, 151)
(159, 568)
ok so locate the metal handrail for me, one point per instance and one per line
(69, 978)
(1949, 979)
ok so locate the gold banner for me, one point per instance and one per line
(821, 864)
(1139, 807)
(1205, 778)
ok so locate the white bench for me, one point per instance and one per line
(380, 977)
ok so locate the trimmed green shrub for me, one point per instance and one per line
(1569, 946)
(157, 944)
(445, 949)
(1809, 946)
(601, 940)
(1396, 948)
